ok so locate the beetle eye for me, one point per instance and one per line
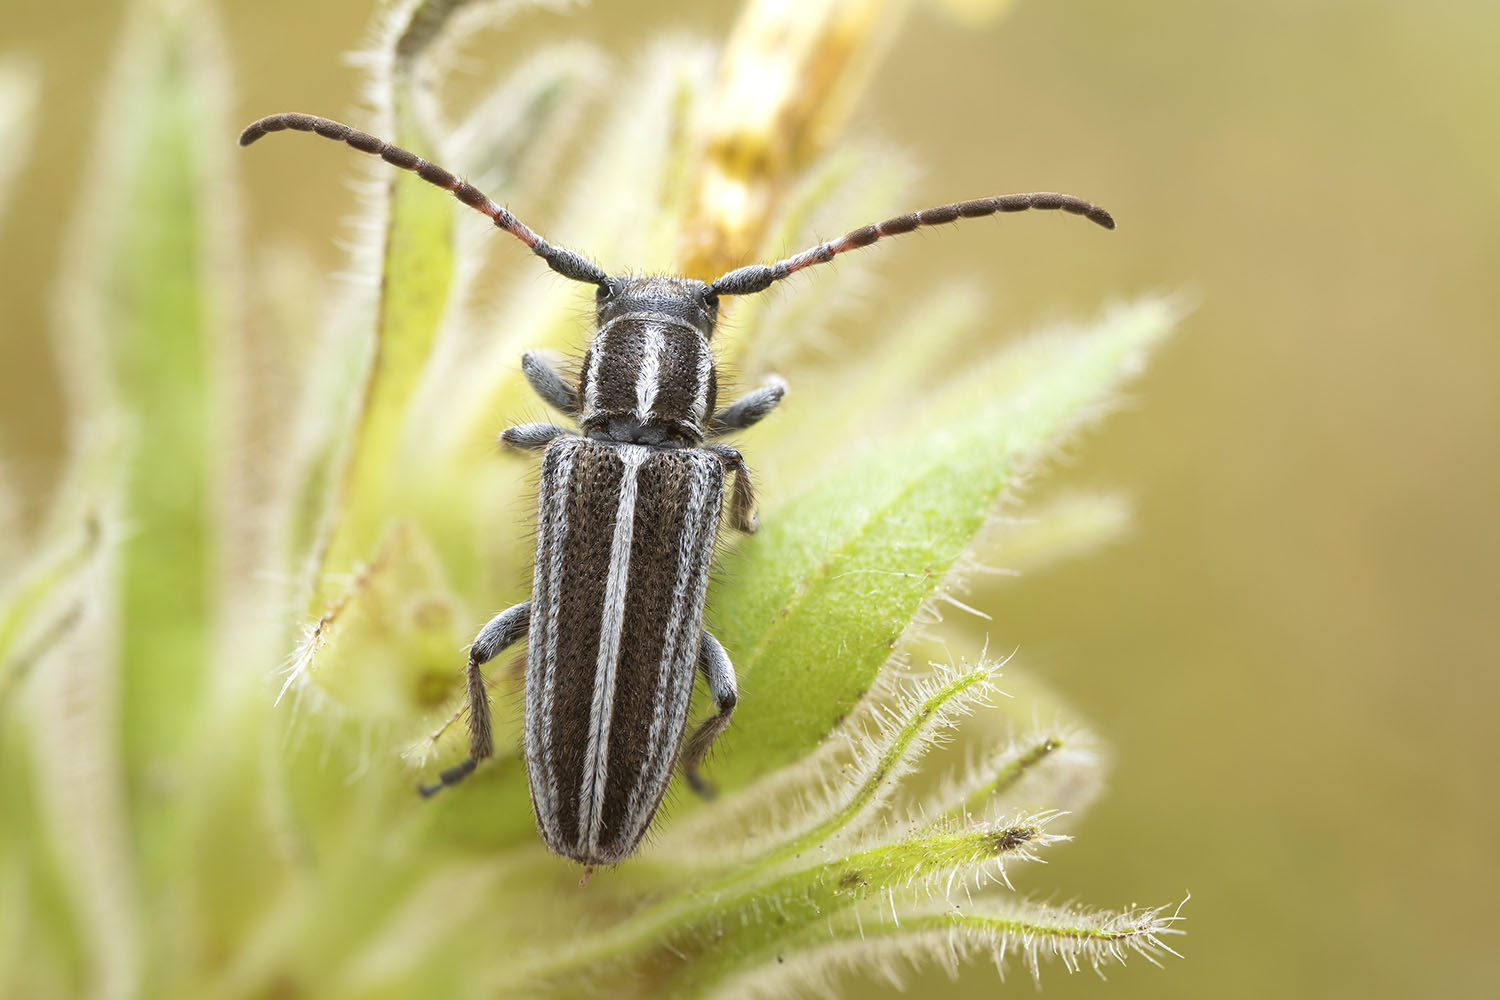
(711, 299)
(606, 291)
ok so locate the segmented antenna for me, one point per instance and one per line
(565, 262)
(758, 277)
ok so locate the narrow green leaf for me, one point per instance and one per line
(1045, 767)
(417, 274)
(416, 265)
(754, 914)
(750, 930)
(395, 466)
(881, 944)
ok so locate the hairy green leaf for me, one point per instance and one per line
(882, 944)
(416, 269)
(821, 598)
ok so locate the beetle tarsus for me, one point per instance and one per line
(701, 786)
(451, 776)
(742, 504)
(718, 673)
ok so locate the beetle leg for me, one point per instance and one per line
(714, 665)
(502, 631)
(531, 437)
(748, 409)
(742, 504)
(549, 383)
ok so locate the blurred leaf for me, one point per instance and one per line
(141, 340)
(383, 651)
(820, 599)
(616, 208)
(83, 809)
(35, 600)
(41, 605)
(20, 92)
(140, 351)
(504, 146)
(887, 380)
(972, 12)
(852, 184)
(1046, 534)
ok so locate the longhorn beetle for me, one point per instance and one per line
(627, 516)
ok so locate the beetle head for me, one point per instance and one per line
(686, 299)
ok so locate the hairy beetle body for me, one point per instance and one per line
(624, 542)
(628, 512)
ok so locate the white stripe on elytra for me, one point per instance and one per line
(713, 473)
(690, 635)
(690, 543)
(611, 625)
(551, 543)
(648, 379)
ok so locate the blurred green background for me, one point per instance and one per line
(1294, 655)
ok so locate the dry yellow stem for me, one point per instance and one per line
(790, 75)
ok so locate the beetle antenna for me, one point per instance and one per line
(758, 277)
(565, 262)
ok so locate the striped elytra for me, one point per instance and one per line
(627, 515)
(625, 536)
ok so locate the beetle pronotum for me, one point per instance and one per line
(627, 516)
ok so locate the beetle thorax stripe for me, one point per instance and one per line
(591, 383)
(637, 359)
(596, 759)
(648, 381)
(705, 375)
